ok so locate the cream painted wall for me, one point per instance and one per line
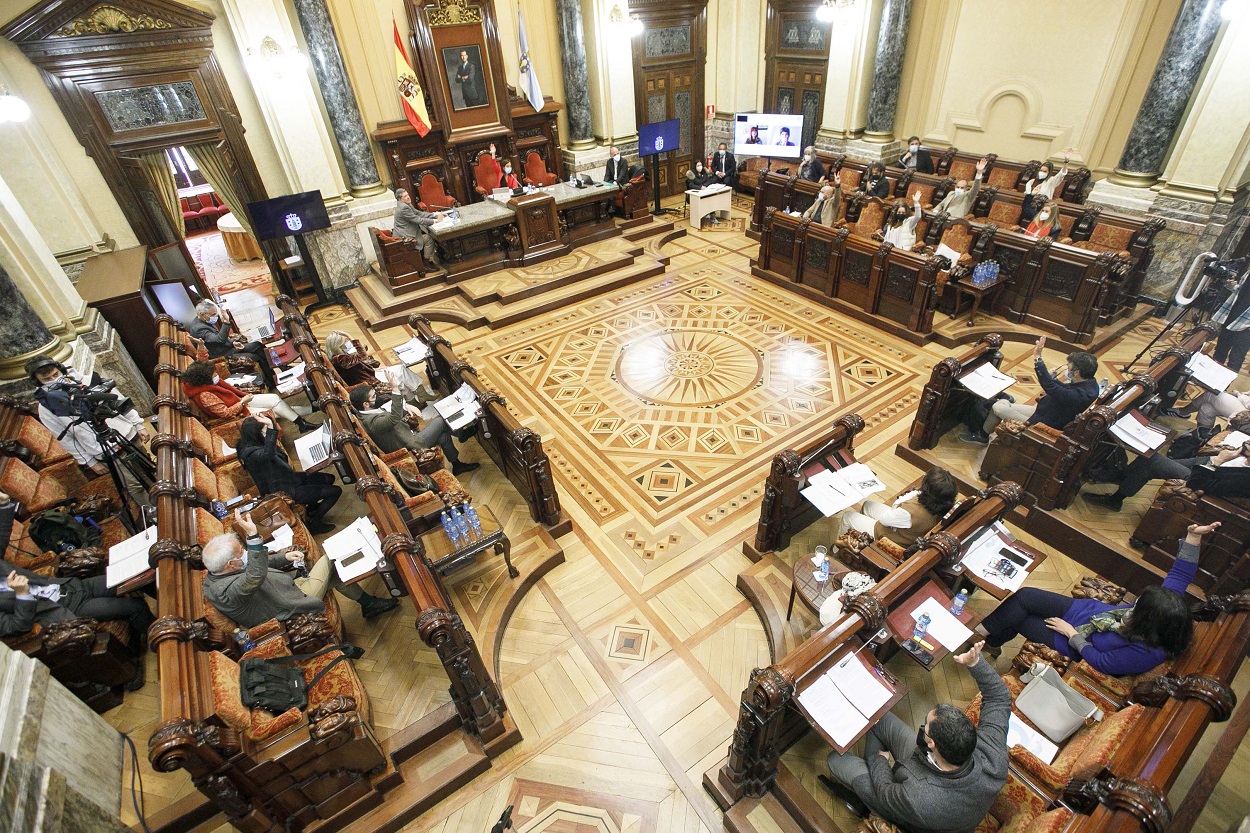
(1030, 96)
(365, 40)
(609, 71)
(852, 47)
(734, 76)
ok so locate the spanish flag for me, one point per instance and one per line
(409, 88)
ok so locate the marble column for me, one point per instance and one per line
(21, 331)
(887, 70)
(1168, 95)
(339, 98)
(576, 90)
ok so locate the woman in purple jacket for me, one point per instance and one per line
(1114, 639)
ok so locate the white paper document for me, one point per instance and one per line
(985, 553)
(355, 550)
(412, 351)
(943, 626)
(1209, 373)
(833, 491)
(242, 379)
(129, 558)
(459, 409)
(947, 252)
(1235, 439)
(987, 381)
(226, 450)
(859, 685)
(314, 448)
(1138, 433)
(1021, 734)
(283, 537)
(832, 711)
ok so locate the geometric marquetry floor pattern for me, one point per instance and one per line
(660, 405)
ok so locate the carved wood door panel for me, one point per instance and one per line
(796, 58)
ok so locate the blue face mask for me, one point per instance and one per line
(214, 319)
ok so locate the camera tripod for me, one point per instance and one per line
(122, 456)
(1197, 316)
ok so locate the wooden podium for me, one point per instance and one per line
(538, 226)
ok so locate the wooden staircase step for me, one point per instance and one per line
(656, 227)
(479, 295)
(498, 315)
(760, 815)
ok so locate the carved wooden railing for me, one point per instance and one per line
(943, 400)
(768, 720)
(515, 449)
(783, 511)
(1050, 467)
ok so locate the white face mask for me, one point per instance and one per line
(508, 169)
(214, 319)
(720, 152)
(960, 191)
(216, 379)
(1042, 174)
(1043, 216)
(349, 349)
(915, 148)
(807, 158)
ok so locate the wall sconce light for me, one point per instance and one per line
(277, 60)
(828, 9)
(12, 108)
(635, 26)
(617, 18)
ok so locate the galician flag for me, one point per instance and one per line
(529, 78)
(409, 87)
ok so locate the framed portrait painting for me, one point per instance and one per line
(466, 76)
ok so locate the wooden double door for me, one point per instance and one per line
(796, 60)
(668, 80)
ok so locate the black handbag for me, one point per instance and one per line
(276, 685)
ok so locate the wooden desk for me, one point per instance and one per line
(480, 241)
(239, 244)
(902, 623)
(447, 558)
(805, 585)
(897, 688)
(702, 204)
(985, 584)
(977, 292)
(586, 213)
(538, 226)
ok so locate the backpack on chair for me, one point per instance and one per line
(276, 685)
(57, 531)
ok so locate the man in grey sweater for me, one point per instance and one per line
(944, 777)
(958, 203)
(249, 587)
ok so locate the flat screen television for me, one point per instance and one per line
(292, 214)
(659, 137)
(768, 134)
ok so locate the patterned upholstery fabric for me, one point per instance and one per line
(850, 180)
(1112, 237)
(926, 196)
(33, 435)
(958, 237)
(207, 527)
(255, 724)
(209, 443)
(29, 486)
(1086, 752)
(1065, 224)
(999, 177)
(1119, 688)
(341, 679)
(1004, 213)
(1017, 805)
(961, 169)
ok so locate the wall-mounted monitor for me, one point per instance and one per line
(659, 137)
(768, 134)
(292, 214)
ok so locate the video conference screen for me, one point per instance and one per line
(768, 134)
(292, 214)
(659, 137)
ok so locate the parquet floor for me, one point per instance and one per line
(661, 405)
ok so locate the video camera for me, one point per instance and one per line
(94, 402)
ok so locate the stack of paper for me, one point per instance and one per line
(283, 537)
(129, 558)
(242, 379)
(1235, 439)
(1138, 433)
(987, 381)
(354, 550)
(459, 409)
(947, 252)
(1209, 373)
(843, 701)
(833, 491)
(412, 351)
(983, 554)
(314, 448)
(943, 626)
(1021, 734)
(291, 379)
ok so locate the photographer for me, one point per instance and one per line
(1234, 316)
(66, 403)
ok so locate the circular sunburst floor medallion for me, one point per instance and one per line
(688, 367)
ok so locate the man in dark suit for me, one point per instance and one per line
(617, 170)
(387, 428)
(916, 157)
(470, 77)
(209, 328)
(27, 598)
(724, 166)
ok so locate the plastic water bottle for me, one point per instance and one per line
(961, 600)
(475, 523)
(462, 526)
(246, 643)
(450, 528)
(922, 627)
(1102, 386)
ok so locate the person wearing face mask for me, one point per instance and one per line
(916, 157)
(209, 327)
(59, 415)
(1041, 188)
(900, 229)
(218, 398)
(812, 169)
(828, 205)
(1064, 397)
(388, 428)
(958, 203)
(724, 166)
(251, 586)
(507, 179)
(616, 171)
(942, 777)
(874, 183)
(356, 367)
(1046, 222)
(411, 223)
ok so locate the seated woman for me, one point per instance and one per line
(900, 229)
(1115, 639)
(266, 461)
(356, 367)
(1046, 222)
(218, 398)
(911, 515)
(387, 428)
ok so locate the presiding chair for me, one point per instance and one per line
(486, 173)
(536, 172)
(432, 193)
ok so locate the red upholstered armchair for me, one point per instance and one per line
(536, 172)
(432, 193)
(486, 173)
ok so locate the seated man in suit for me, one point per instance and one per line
(391, 432)
(724, 166)
(1064, 398)
(916, 157)
(828, 205)
(958, 203)
(208, 327)
(617, 170)
(411, 223)
(249, 587)
(1161, 467)
(27, 598)
(874, 183)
